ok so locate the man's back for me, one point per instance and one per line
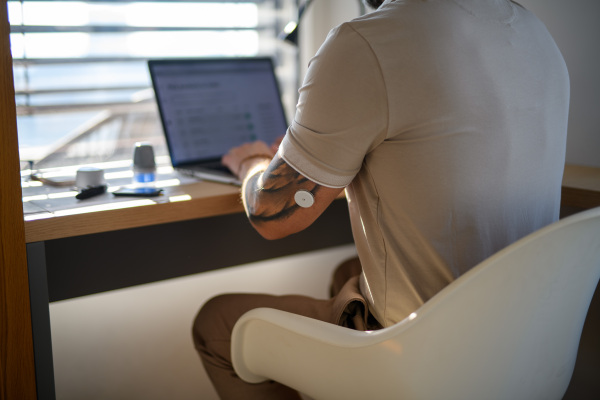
(459, 110)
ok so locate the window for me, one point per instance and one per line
(83, 92)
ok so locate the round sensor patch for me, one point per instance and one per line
(304, 198)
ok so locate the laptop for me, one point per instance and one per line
(209, 105)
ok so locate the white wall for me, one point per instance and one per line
(136, 343)
(573, 24)
(320, 17)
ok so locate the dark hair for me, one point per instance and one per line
(374, 3)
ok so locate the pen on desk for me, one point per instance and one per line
(90, 191)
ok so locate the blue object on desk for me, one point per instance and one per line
(138, 192)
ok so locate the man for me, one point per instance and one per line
(445, 122)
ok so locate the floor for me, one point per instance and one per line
(136, 343)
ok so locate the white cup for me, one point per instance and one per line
(89, 177)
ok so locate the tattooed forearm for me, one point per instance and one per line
(280, 175)
(269, 196)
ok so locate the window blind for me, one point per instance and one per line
(79, 53)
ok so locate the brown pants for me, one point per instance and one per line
(215, 320)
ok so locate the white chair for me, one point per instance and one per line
(508, 329)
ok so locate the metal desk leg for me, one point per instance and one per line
(40, 320)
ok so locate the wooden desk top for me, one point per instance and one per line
(581, 187)
(582, 177)
(54, 213)
(191, 200)
(178, 203)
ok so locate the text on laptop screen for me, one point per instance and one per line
(208, 106)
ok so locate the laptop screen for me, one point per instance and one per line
(208, 106)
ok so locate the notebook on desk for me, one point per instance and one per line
(208, 106)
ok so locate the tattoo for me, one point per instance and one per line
(269, 196)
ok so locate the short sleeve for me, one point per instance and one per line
(342, 112)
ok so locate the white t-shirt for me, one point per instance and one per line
(446, 122)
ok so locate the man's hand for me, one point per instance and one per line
(243, 158)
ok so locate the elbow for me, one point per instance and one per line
(270, 236)
(272, 232)
(279, 228)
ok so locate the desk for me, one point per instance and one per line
(54, 213)
(80, 248)
(581, 187)
(188, 199)
(109, 242)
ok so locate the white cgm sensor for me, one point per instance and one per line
(304, 198)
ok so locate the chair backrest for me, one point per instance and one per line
(508, 329)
